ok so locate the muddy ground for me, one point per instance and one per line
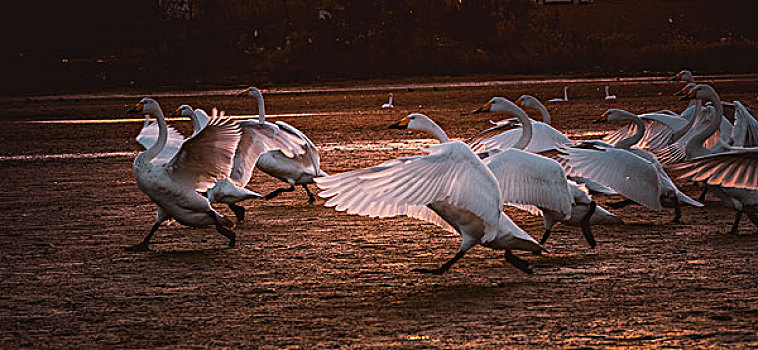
(305, 276)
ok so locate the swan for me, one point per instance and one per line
(671, 196)
(148, 136)
(388, 105)
(745, 131)
(608, 96)
(173, 184)
(504, 135)
(528, 181)
(448, 185)
(298, 170)
(224, 190)
(565, 96)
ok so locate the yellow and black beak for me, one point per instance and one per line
(138, 108)
(519, 102)
(603, 118)
(677, 77)
(402, 124)
(688, 95)
(483, 109)
(243, 93)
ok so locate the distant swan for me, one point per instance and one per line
(565, 96)
(388, 105)
(608, 96)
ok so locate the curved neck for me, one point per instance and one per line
(696, 143)
(157, 147)
(606, 91)
(196, 124)
(261, 109)
(543, 112)
(526, 130)
(632, 140)
(435, 130)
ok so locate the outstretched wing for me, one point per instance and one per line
(205, 157)
(622, 171)
(528, 179)
(449, 173)
(258, 138)
(311, 150)
(736, 168)
(745, 132)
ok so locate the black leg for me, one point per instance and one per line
(543, 240)
(239, 211)
(736, 225)
(621, 204)
(519, 263)
(143, 247)
(586, 225)
(677, 211)
(278, 191)
(752, 217)
(446, 266)
(701, 198)
(223, 230)
(311, 198)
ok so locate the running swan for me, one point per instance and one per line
(173, 184)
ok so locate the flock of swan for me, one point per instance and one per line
(462, 186)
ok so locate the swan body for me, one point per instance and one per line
(608, 96)
(173, 184)
(388, 105)
(295, 169)
(448, 186)
(565, 96)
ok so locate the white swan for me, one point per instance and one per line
(388, 105)
(173, 185)
(565, 96)
(299, 169)
(448, 186)
(671, 196)
(224, 190)
(530, 182)
(608, 96)
(505, 134)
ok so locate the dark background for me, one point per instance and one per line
(86, 45)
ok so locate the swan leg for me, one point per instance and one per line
(278, 191)
(736, 225)
(239, 211)
(544, 238)
(223, 230)
(621, 204)
(586, 231)
(677, 211)
(446, 266)
(753, 218)
(701, 198)
(519, 263)
(311, 198)
(143, 246)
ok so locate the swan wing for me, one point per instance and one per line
(258, 138)
(735, 168)
(745, 131)
(449, 172)
(620, 170)
(311, 150)
(528, 179)
(621, 133)
(205, 157)
(544, 138)
(477, 142)
(149, 135)
(202, 117)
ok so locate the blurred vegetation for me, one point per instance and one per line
(86, 45)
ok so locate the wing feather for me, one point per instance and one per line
(736, 168)
(258, 138)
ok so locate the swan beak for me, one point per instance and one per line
(138, 108)
(243, 93)
(688, 96)
(677, 77)
(603, 118)
(683, 92)
(520, 102)
(402, 124)
(483, 109)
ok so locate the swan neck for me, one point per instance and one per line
(195, 124)
(630, 141)
(261, 109)
(565, 93)
(543, 112)
(526, 130)
(435, 130)
(715, 122)
(681, 132)
(159, 144)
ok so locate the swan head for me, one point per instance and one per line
(684, 75)
(147, 106)
(183, 111)
(499, 105)
(614, 114)
(414, 121)
(701, 92)
(531, 102)
(685, 90)
(251, 91)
